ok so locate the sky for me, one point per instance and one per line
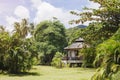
(38, 10)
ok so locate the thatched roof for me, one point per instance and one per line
(78, 44)
(79, 40)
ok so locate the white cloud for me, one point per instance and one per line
(46, 11)
(10, 21)
(22, 12)
(36, 3)
(93, 5)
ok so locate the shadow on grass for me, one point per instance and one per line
(26, 74)
(22, 74)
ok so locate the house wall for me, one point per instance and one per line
(72, 53)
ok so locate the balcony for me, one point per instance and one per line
(77, 59)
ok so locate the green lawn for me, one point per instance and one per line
(51, 73)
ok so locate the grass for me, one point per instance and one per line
(51, 73)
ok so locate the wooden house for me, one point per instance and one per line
(73, 52)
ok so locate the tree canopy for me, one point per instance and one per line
(103, 35)
(16, 52)
(51, 37)
(107, 17)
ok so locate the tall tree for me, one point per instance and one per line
(21, 29)
(105, 23)
(51, 38)
(73, 34)
(4, 47)
(108, 55)
(17, 53)
(108, 15)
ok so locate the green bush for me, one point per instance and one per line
(88, 56)
(108, 53)
(56, 61)
(17, 53)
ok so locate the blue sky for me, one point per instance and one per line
(69, 4)
(38, 10)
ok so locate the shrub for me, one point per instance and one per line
(109, 52)
(88, 56)
(56, 61)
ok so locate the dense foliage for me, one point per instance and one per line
(19, 54)
(16, 52)
(88, 56)
(51, 38)
(74, 33)
(105, 23)
(56, 61)
(105, 19)
(108, 54)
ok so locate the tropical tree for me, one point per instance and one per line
(107, 17)
(56, 61)
(50, 36)
(108, 54)
(73, 34)
(21, 29)
(4, 46)
(104, 23)
(18, 53)
(88, 56)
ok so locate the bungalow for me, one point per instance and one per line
(72, 56)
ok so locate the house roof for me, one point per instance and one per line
(79, 40)
(78, 44)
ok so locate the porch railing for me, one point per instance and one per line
(73, 58)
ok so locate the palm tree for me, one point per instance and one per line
(4, 47)
(18, 54)
(21, 29)
(109, 52)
